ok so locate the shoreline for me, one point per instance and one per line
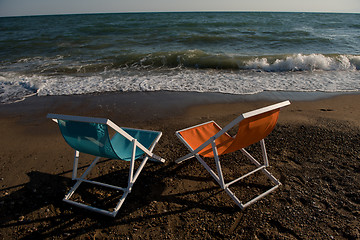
(163, 102)
(313, 151)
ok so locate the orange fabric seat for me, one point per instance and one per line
(200, 134)
(251, 130)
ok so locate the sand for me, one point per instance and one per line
(314, 151)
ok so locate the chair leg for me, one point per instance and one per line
(259, 167)
(226, 186)
(75, 167)
(131, 180)
(212, 173)
(218, 165)
(184, 158)
(82, 179)
(134, 175)
(264, 154)
(132, 164)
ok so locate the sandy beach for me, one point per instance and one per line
(314, 151)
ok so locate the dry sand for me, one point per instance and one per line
(314, 151)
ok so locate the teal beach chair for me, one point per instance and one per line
(91, 136)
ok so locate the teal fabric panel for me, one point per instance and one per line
(90, 138)
(124, 148)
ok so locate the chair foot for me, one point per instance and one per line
(255, 199)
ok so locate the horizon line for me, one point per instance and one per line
(203, 11)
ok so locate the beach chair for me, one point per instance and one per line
(91, 136)
(211, 141)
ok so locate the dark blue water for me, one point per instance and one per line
(237, 52)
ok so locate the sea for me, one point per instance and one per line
(239, 53)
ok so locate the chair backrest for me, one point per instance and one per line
(253, 126)
(253, 129)
(195, 136)
(91, 135)
(88, 137)
(124, 148)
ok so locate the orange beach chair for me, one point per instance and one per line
(210, 140)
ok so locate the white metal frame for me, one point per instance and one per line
(219, 175)
(132, 176)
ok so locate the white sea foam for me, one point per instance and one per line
(310, 62)
(15, 87)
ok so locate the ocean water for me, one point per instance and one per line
(225, 52)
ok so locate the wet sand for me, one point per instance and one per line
(314, 151)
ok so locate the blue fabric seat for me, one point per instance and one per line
(123, 147)
(94, 139)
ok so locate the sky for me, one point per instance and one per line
(50, 7)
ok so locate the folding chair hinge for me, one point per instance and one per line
(157, 158)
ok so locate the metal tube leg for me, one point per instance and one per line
(218, 166)
(263, 149)
(132, 164)
(75, 167)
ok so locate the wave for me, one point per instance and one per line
(190, 59)
(310, 62)
(197, 59)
